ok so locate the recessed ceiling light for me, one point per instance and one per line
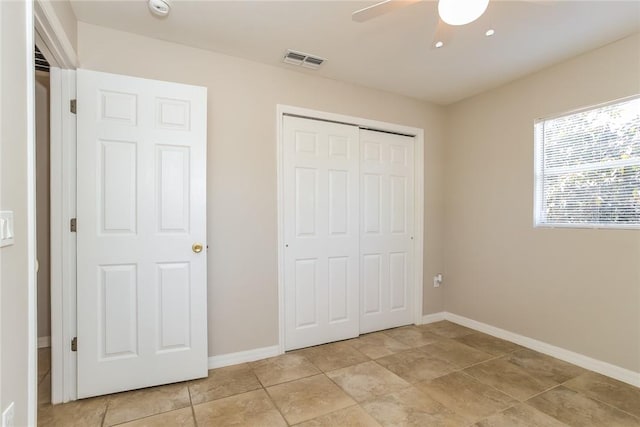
(160, 7)
(490, 32)
(461, 12)
(439, 44)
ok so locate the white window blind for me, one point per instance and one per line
(588, 167)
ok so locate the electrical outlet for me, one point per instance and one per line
(7, 416)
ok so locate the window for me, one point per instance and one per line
(588, 167)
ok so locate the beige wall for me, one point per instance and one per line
(67, 18)
(242, 228)
(575, 288)
(42, 202)
(13, 196)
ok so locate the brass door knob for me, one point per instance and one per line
(197, 247)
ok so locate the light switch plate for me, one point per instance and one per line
(6, 228)
(7, 416)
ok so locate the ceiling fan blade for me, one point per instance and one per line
(541, 2)
(379, 9)
(443, 34)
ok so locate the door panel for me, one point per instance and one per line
(338, 289)
(174, 298)
(321, 164)
(117, 197)
(398, 281)
(372, 283)
(306, 298)
(306, 186)
(117, 302)
(386, 245)
(141, 205)
(371, 209)
(398, 204)
(338, 202)
(173, 188)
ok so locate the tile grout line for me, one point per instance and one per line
(321, 372)
(498, 412)
(413, 386)
(274, 404)
(193, 410)
(596, 399)
(524, 402)
(253, 371)
(39, 384)
(340, 388)
(261, 387)
(290, 381)
(470, 423)
(492, 387)
(457, 368)
(356, 403)
(109, 396)
(493, 358)
(607, 404)
(462, 371)
(106, 408)
(504, 356)
(578, 392)
(542, 392)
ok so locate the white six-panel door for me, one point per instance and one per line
(348, 231)
(321, 164)
(386, 230)
(141, 296)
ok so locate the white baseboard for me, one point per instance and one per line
(44, 342)
(243, 356)
(604, 368)
(431, 318)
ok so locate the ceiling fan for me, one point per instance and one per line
(451, 13)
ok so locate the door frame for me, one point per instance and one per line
(63, 241)
(51, 38)
(418, 253)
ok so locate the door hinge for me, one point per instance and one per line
(73, 225)
(73, 104)
(74, 344)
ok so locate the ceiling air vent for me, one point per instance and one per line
(303, 59)
(40, 61)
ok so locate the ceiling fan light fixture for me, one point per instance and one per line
(461, 12)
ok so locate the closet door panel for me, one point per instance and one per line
(321, 231)
(386, 232)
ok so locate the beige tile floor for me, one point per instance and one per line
(440, 374)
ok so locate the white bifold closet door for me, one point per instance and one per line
(348, 224)
(386, 230)
(321, 162)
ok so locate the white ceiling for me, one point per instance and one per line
(392, 52)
